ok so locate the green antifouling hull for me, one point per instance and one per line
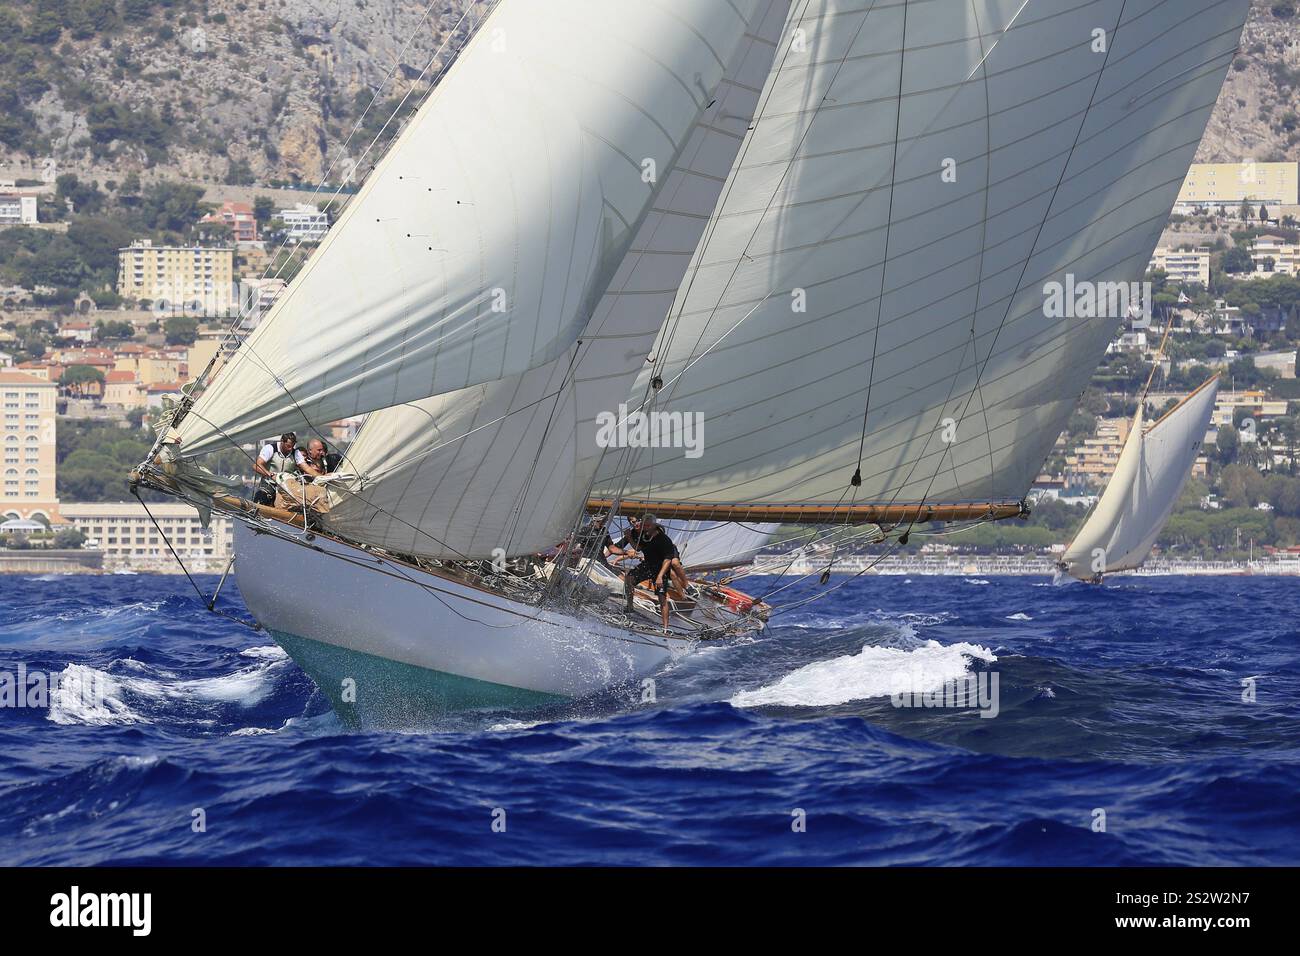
(373, 692)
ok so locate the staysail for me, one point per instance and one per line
(874, 299)
(498, 223)
(506, 464)
(1149, 476)
(713, 544)
(865, 324)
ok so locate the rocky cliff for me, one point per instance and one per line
(243, 91)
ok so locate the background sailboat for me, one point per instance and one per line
(1149, 476)
(838, 262)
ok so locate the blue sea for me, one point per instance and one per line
(1149, 721)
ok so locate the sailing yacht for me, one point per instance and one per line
(819, 229)
(1152, 468)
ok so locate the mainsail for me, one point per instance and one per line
(861, 330)
(1149, 476)
(869, 302)
(502, 219)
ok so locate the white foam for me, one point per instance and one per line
(86, 695)
(976, 580)
(271, 652)
(873, 672)
(514, 725)
(1020, 616)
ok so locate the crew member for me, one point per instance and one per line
(657, 553)
(275, 459)
(315, 461)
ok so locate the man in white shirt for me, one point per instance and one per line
(275, 459)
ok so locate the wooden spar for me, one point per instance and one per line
(244, 506)
(166, 484)
(1181, 402)
(814, 514)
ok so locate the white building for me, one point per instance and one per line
(123, 531)
(304, 222)
(1272, 256)
(1182, 266)
(16, 208)
(28, 447)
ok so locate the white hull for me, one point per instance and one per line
(413, 642)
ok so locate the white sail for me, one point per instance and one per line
(873, 291)
(506, 464)
(1065, 164)
(713, 544)
(497, 223)
(1149, 476)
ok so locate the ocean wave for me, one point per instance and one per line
(94, 696)
(874, 671)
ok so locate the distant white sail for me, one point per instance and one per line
(872, 291)
(506, 464)
(1149, 476)
(497, 223)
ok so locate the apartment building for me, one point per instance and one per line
(238, 216)
(1228, 184)
(194, 279)
(1272, 256)
(1093, 462)
(28, 440)
(128, 538)
(17, 208)
(304, 222)
(1182, 266)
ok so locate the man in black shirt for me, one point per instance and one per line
(626, 545)
(657, 553)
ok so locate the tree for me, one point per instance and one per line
(1238, 259)
(97, 242)
(173, 206)
(263, 210)
(1228, 443)
(1263, 213)
(114, 330)
(76, 378)
(239, 173)
(181, 330)
(69, 538)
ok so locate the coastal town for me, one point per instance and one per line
(101, 327)
(114, 296)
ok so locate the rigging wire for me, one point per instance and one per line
(194, 584)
